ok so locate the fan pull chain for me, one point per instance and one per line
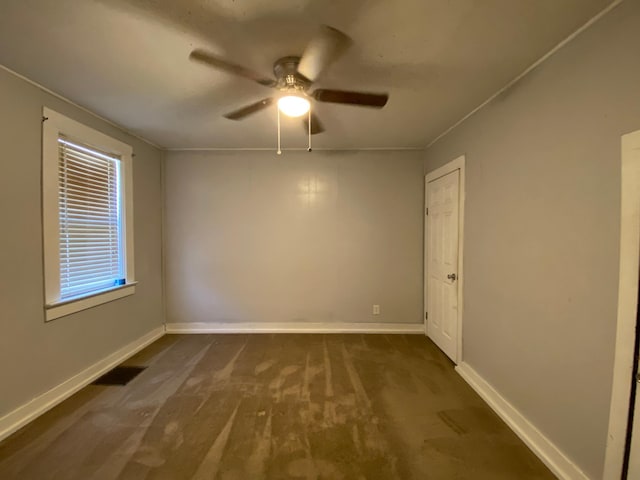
(309, 148)
(279, 151)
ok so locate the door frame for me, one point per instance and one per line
(627, 307)
(453, 165)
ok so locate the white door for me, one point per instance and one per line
(442, 202)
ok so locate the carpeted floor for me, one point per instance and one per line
(275, 407)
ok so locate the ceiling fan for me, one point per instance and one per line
(294, 77)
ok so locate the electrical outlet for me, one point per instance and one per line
(376, 309)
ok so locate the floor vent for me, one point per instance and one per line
(118, 376)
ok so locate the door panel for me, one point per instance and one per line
(442, 261)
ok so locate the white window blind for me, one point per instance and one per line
(91, 237)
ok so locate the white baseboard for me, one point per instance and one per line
(548, 452)
(39, 405)
(291, 327)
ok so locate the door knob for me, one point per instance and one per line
(452, 277)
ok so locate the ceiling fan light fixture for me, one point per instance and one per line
(293, 105)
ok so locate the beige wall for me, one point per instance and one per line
(542, 232)
(302, 237)
(36, 356)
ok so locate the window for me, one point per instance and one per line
(88, 217)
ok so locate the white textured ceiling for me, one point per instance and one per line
(127, 60)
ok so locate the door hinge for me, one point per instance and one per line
(426, 315)
(426, 211)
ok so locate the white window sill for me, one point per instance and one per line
(67, 307)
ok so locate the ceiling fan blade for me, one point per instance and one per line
(324, 49)
(249, 109)
(316, 125)
(221, 64)
(377, 100)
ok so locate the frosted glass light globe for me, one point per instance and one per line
(293, 105)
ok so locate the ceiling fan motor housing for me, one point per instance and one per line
(288, 78)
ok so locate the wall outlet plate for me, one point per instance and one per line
(376, 309)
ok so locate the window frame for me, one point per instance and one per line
(54, 125)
